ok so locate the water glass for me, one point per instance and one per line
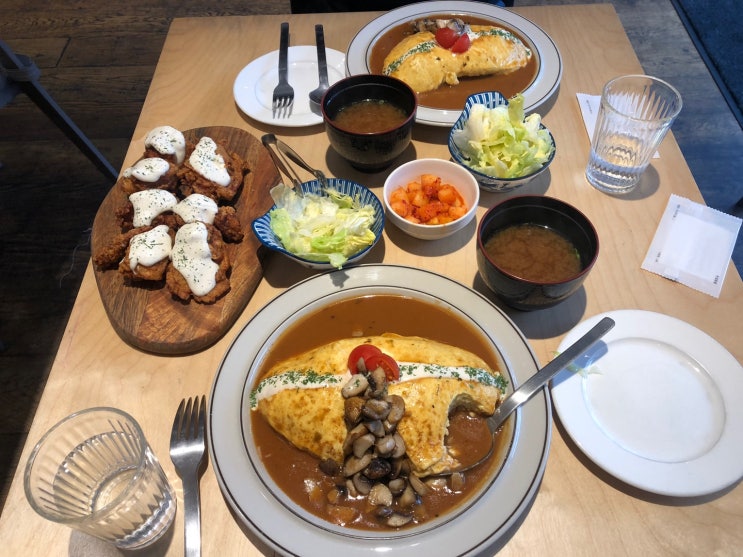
(95, 472)
(635, 114)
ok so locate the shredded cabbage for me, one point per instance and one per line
(500, 142)
(323, 229)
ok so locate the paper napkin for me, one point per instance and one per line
(693, 245)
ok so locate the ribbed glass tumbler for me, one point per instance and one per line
(95, 472)
(635, 114)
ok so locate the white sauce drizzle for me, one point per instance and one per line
(149, 247)
(193, 259)
(293, 379)
(167, 140)
(148, 170)
(207, 162)
(150, 203)
(197, 207)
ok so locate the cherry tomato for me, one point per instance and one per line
(446, 37)
(462, 44)
(359, 355)
(387, 363)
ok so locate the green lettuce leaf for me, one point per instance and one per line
(327, 229)
(501, 142)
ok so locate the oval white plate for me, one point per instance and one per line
(287, 529)
(545, 83)
(253, 88)
(658, 405)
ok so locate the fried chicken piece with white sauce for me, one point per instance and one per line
(211, 170)
(111, 255)
(148, 255)
(150, 173)
(199, 264)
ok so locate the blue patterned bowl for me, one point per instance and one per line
(262, 225)
(490, 183)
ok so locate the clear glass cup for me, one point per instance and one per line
(635, 114)
(95, 472)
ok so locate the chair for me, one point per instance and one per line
(18, 74)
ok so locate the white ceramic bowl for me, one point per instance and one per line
(448, 171)
(262, 225)
(487, 182)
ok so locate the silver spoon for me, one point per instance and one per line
(535, 383)
(322, 68)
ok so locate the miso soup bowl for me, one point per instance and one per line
(520, 293)
(364, 150)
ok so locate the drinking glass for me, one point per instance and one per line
(635, 114)
(95, 472)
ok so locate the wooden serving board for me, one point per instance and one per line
(151, 318)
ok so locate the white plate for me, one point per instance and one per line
(660, 405)
(286, 528)
(545, 83)
(253, 89)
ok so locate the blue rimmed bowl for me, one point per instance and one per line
(262, 225)
(491, 99)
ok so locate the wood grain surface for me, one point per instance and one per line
(151, 318)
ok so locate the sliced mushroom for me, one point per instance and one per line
(408, 497)
(352, 410)
(355, 386)
(378, 468)
(397, 486)
(330, 467)
(456, 481)
(416, 483)
(377, 382)
(385, 445)
(376, 409)
(376, 427)
(355, 465)
(362, 484)
(380, 495)
(400, 448)
(397, 520)
(397, 409)
(351, 437)
(363, 444)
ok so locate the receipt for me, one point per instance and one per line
(693, 245)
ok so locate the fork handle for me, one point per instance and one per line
(192, 514)
(284, 52)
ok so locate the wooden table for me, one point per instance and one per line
(579, 510)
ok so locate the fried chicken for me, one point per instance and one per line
(212, 171)
(150, 173)
(199, 264)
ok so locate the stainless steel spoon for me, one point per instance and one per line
(535, 383)
(322, 69)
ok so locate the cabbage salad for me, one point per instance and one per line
(500, 142)
(323, 228)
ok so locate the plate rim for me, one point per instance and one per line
(689, 478)
(246, 101)
(255, 507)
(550, 77)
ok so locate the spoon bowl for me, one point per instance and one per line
(534, 384)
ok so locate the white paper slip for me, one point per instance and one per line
(589, 109)
(693, 245)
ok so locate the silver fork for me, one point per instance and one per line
(283, 94)
(187, 451)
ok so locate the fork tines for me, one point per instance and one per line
(283, 94)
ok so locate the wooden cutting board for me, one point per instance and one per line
(151, 318)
